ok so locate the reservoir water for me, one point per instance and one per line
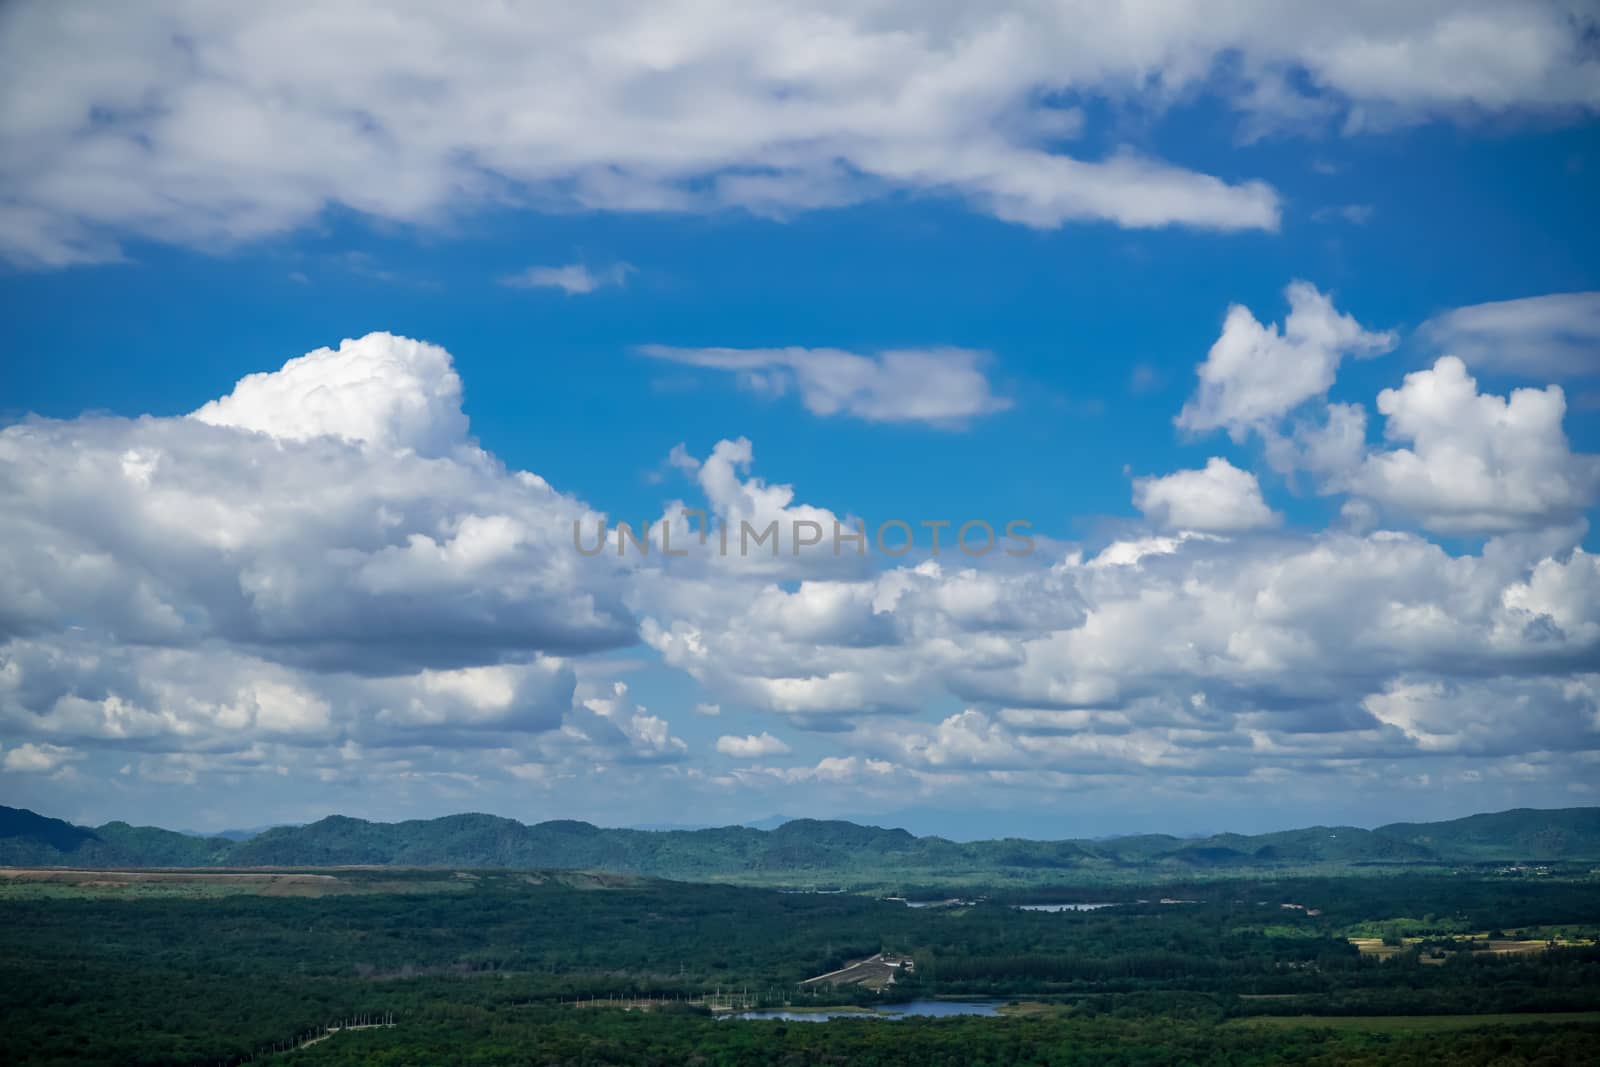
(910, 1009)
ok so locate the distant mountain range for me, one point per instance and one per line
(799, 850)
(232, 835)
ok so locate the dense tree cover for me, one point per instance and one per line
(542, 1036)
(808, 851)
(482, 962)
(1436, 901)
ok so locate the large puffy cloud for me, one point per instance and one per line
(1406, 721)
(1255, 374)
(208, 124)
(1495, 718)
(1460, 461)
(1477, 462)
(1190, 654)
(1289, 624)
(322, 556)
(381, 390)
(1463, 462)
(942, 386)
(1555, 336)
(748, 526)
(330, 513)
(840, 648)
(79, 688)
(1296, 628)
(1218, 498)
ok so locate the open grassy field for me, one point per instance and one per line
(1412, 1024)
(1481, 942)
(66, 882)
(1374, 946)
(45, 882)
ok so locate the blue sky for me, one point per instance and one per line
(334, 592)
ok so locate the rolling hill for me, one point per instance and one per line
(1527, 833)
(808, 851)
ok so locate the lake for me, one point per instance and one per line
(925, 1008)
(1062, 907)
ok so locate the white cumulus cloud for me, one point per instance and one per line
(323, 555)
(379, 389)
(1220, 498)
(753, 746)
(30, 758)
(1255, 374)
(1476, 462)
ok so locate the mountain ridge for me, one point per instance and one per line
(798, 848)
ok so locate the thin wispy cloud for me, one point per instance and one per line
(1555, 336)
(574, 279)
(943, 387)
(1355, 214)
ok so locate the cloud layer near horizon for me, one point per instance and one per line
(323, 574)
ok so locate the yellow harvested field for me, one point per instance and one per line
(108, 878)
(189, 882)
(1374, 946)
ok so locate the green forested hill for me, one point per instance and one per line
(28, 839)
(1320, 844)
(1522, 833)
(803, 851)
(154, 847)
